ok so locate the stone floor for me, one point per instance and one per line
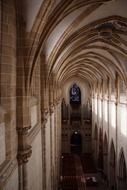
(101, 185)
(74, 177)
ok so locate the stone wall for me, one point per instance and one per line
(8, 73)
(8, 173)
(109, 130)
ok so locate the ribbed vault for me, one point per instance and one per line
(85, 39)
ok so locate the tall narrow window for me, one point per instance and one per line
(75, 94)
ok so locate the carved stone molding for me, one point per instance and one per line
(51, 108)
(120, 25)
(57, 101)
(8, 168)
(45, 115)
(106, 29)
(24, 155)
(23, 130)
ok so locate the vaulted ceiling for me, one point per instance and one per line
(84, 38)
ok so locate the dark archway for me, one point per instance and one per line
(122, 183)
(76, 143)
(112, 166)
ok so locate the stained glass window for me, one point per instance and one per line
(75, 94)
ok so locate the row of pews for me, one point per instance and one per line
(69, 183)
(72, 173)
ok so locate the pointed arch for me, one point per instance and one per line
(112, 153)
(122, 183)
(76, 142)
(112, 166)
(105, 150)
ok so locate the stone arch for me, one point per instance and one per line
(76, 142)
(105, 156)
(112, 166)
(122, 171)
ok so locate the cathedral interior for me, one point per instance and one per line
(63, 94)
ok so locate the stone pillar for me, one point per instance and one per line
(44, 121)
(51, 109)
(108, 110)
(44, 116)
(24, 153)
(117, 127)
(8, 48)
(58, 140)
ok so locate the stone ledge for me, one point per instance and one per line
(6, 169)
(33, 133)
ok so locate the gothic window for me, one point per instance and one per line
(75, 94)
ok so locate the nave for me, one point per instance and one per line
(63, 88)
(79, 173)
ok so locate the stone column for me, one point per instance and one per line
(51, 144)
(51, 109)
(117, 127)
(108, 109)
(24, 153)
(44, 121)
(58, 140)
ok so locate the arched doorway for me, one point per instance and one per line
(112, 167)
(122, 179)
(76, 143)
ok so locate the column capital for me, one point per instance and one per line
(51, 108)
(24, 155)
(57, 101)
(23, 130)
(45, 114)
